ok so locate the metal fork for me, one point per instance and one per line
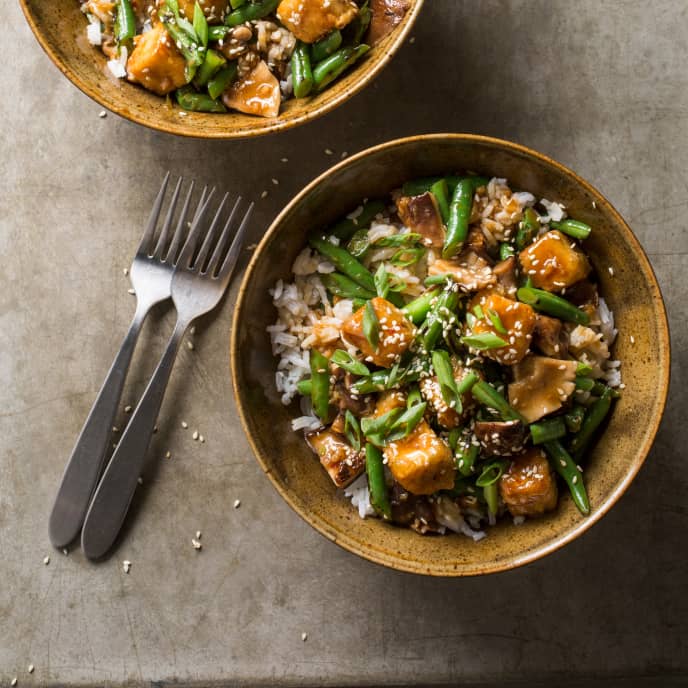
(151, 277)
(199, 281)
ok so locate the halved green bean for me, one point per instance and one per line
(222, 80)
(444, 308)
(599, 388)
(344, 262)
(361, 23)
(125, 23)
(594, 416)
(440, 191)
(304, 387)
(417, 310)
(212, 64)
(200, 25)
(377, 487)
(343, 286)
(301, 72)
(484, 393)
(574, 418)
(434, 280)
(547, 430)
(346, 228)
(459, 215)
(491, 494)
(251, 11)
(551, 304)
(528, 229)
(574, 228)
(326, 46)
(566, 467)
(333, 66)
(484, 341)
(346, 361)
(197, 102)
(320, 385)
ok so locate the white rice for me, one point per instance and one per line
(359, 494)
(118, 66)
(555, 211)
(94, 32)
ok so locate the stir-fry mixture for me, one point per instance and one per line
(244, 55)
(451, 352)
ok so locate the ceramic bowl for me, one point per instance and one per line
(60, 28)
(632, 292)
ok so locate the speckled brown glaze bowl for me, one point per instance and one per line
(60, 28)
(632, 292)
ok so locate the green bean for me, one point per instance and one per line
(434, 280)
(594, 416)
(417, 310)
(218, 32)
(251, 11)
(332, 67)
(304, 387)
(212, 64)
(189, 99)
(389, 379)
(377, 487)
(344, 287)
(583, 369)
(484, 393)
(361, 23)
(459, 215)
(574, 418)
(566, 467)
(454, 437)
(467, 457)
(444, 308)
(346, 361)
(484, 341)
(200, 25)
(547, 430)
(125, 24)
(326, 46)
(599, 388)
(221, 81)
(551, 304)
(347, 227)
(574, 228)
(419, 186)
(506, 250)
(440, 191)
(344, 262)
(584, 383)
(528, 229)
(491, 494)
(320, 385)
(301, 71)
(352, 430)
(236, 4)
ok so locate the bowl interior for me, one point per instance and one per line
(631, 292)
(61, 29)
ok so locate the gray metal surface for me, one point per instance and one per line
(602, 87)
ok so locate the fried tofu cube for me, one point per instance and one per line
(421, 214)
(388, 401)
(156, 63)
(214, 10)
(310, 20)
(257, 93)
(554, 262)
(421, 463)
(528, 487)
(395, 336)
(341, 461)
(517, 318)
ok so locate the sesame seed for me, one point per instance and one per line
(237, 503)
(125, 271)
(168, 455)
(127, 409)
(574, 480)
(115, 428)
(102, 114)
(343, 155)
(275, 181)
(190, 346)
(285, 159)
(264, 194)
(198, 535)
(196, 544)
(192, 329)
(632, 339)
(46, 560)
(139, 480)
(195, 435)
(328, 151)
(304, 637)
(412, 40)
(31, 668)
(201, 439)
(622, 386)
(126, 565)
(185, 424)
(562, 462)
(13, 682)
(65, 551)
(131, 291)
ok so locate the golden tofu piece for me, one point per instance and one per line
(396, 333)
(421, 463)
(421, 214)
(528, 487)
(388, 401)
(541, 385)
(310, 20)
(517, 318)
(554, 262)
(156, 63)
(214, 10)
(341, 461)
(257, 93)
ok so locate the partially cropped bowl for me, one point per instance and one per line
(60, 27)
(630, 289)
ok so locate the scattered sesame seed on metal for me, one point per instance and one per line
(195, 435)
(196, 544)
(201, 439)
(185, 424)
(304, 637)
(46, 560)
(31, 668)
(237, 503)
(126, 565)
(102, 114)
(198, 535)
(131, 291)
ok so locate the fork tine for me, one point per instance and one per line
(222, 242)
(233, 253)
(210, 236)
(173, 250)
(146, 239)
(169, 216)
(194, 232)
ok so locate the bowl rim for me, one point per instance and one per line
(398, 563)
(271, 126)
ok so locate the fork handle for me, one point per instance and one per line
(114, 493)
(86, 462)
